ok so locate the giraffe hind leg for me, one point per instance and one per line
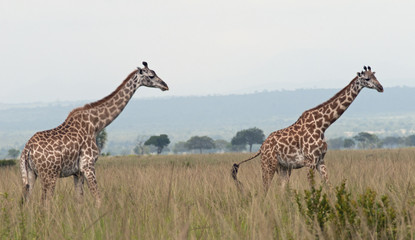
(267, 175)
(285, 174)
(79, 186)
(48, 188)
(268, 165)
(28, 188)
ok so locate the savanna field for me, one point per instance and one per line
(371, 196)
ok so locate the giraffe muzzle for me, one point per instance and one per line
(379, 88)
(164, 86)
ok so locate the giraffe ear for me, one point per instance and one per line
(358, 74)
(140, 70)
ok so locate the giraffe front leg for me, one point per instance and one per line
(321, 166)
(322, 169)
(89, 173)
(89, 155)
(316, 162)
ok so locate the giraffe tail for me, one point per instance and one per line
(235, 169)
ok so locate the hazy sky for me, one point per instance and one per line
(82, 50)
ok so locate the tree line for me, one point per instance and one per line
(242, 141)
(245, 140)
(365, 140)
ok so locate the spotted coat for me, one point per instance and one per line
(302, 144)
(70, 149)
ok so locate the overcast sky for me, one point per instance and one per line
(82, 50)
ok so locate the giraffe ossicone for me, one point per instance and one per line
(70, 149)
(302, 144)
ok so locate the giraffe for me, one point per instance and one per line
(302, 144)
(70, 149)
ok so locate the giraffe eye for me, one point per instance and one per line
(367, 79)
(151, 77)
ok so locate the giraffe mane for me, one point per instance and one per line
(331, 99)
(99, 102)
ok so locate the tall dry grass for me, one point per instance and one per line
(194, 197)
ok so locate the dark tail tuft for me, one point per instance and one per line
(235, 168)
(234, 172)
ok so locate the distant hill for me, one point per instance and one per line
(388, 113)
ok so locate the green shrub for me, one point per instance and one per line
(5, 163)
(348, 216)
(317, 207)
(379, 216)
(345, 214)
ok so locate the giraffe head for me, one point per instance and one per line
(148, 78)
(367, 79)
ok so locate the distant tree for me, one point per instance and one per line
(139, 146)
(179, 147)
(106, 154)
(158, 141)
(221, 145)
(249, 137)
(236, 148)
(392, 142)
(200, 143)
(101, 139)
(335, 143)
(137, 150)
(367, 140)
(410, 140)
(348, 143)
(13, 153)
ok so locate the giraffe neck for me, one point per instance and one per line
(328, 112)
(97, 115)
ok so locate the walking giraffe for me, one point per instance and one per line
(71, 149)
(302, 144)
